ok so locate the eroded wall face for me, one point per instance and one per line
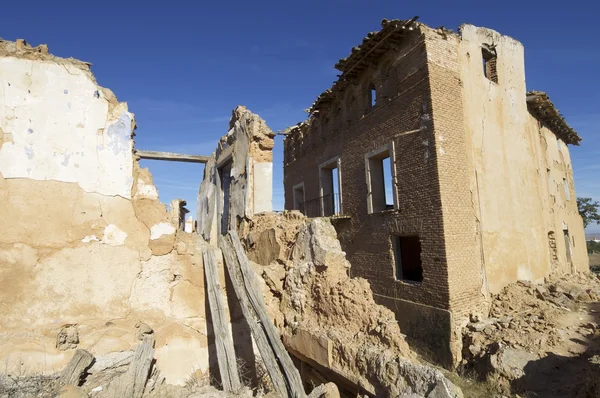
(350, 129)
(84, 240)
(515, 168)
(238, 178)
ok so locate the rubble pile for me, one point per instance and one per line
(329, 319)
(531, 323)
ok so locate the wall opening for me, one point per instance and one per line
(299, 197)
(224, 195)
(330, 188)
(407, 258)
(489, 58)
(372, 96)
(177, 186)
(380, 180)
(567, 245)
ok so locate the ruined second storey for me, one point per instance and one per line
(447, 179)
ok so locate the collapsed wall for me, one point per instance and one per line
(328, 320)
(89, 257)
(86, 249)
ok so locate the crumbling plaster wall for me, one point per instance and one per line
(509, 163)
(84, 240)
(243, 161)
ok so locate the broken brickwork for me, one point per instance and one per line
(468, 194)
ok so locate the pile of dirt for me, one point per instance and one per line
(328, 319)
(533, 329)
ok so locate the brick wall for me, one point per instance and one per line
(350, 129)
(463, 251)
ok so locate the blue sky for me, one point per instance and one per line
(184, 65)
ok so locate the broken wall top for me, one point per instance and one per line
(22, 49)
(543, 109)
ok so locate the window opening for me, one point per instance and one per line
(176, 184)
(489, 59)
(225, 178)
(567, 245)
(407, 258)
(387, 182)
(330, 200)
(380, 181)
(372, 96)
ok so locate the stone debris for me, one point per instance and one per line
(67, 338)
(529, 323)
(327, 317)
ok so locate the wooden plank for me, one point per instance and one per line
(260, 337)
(174, 157)
(257, 299)
(77, 366)
(223, 340)
(253, 296)
(133, 382)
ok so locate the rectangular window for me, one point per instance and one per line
(380, 174)
(330, 188)
(407, 258)
(489, 59)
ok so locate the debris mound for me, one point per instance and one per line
(552, 328)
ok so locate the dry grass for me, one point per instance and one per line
(471, 387)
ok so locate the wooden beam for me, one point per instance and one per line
(76, 368)
(223, 341)
(173, 157)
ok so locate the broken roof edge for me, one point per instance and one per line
(23, 50)
(361, 55)
(543, 109)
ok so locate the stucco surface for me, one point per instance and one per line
(84, 240)
(62, 129)
(516, 168)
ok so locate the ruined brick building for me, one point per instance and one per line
(447, 180)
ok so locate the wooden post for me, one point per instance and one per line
(223, 340)
(133, 382)
(76, 367)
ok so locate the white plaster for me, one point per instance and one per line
(113, 236)
(60, 128)
(89, 238)
(189, 225)
(160, 229)
(146, 191)
(263, 187)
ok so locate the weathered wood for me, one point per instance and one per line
(258, 332)
(173, 157)
(223, 341)
(133, 381)
(257, 299)
(76, 368)
(284, 375)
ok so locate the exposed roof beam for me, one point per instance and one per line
(173, 157)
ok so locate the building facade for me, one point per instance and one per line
(447, 180)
